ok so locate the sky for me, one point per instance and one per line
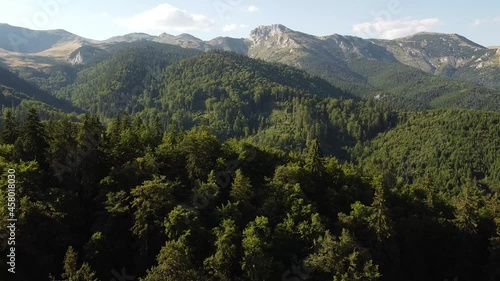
(207, 19)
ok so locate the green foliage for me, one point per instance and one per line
(314, 161)
(410, 88)
(124, 81)
(467, 208)
(174, 264)
(15, 92)
(256, 263)
(449, 146)
(151, 201)
(70, 264)
(241, 190)
(221, 265)
(32, 143)
(71, 271)
(343, 259)
(224, 168)
(201, 150)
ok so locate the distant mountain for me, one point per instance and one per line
(186, 41)
(433, 52)
(366, 67)
(370, 68)
(132, 37)
(426, 70)
(448, 55)
(22, 47)
(23, 40)
(239, 46)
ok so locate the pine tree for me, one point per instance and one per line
(33, 140)
(70, 264)
(241, 189)
(379, 220)
(315, 158)
(85, 273)
(467, 208)
(10, 128)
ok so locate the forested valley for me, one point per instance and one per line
(165, 163)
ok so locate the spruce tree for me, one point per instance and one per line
(10, 128)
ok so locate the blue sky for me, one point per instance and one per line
(479, 21)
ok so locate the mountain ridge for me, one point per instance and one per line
(364, 67)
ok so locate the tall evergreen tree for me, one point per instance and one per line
(467, 208)
(315, 158)
(241, 189)
(10, 128)
(33, 141)
(70, 265)
(379, 220)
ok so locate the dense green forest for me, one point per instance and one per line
(181, 165)
(15, 92)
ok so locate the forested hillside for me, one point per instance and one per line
(411, 89)
(179, 165)
(181, 205)
(15, 92)
(119, 82)
(447, 147)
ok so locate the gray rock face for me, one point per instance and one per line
(78, 59)
(274, 35)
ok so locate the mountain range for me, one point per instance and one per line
(426, 70)
(236, 159)
(450, 55)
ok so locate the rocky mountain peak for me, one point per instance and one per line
(271, 35)
(441, 39)
(273, 29)
(188, 37)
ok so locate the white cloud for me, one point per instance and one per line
(229, 27)
(233, 27)
(166, 17)
(390, 29)
(482, 21)
(253, 9)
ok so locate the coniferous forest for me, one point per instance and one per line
(161, 163)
